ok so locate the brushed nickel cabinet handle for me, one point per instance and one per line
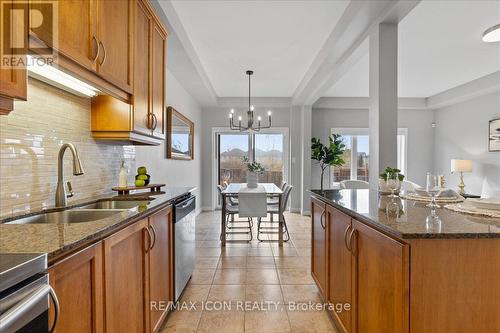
(321, 219)
(105, 53)
(154, 236)
(345, 237)
(57, 310)
(155, 121)
(353, 231)
(150, 237)
(94, 39)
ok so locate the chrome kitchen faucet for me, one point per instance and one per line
(77, 171)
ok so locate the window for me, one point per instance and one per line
(268, 147)
(357, 154)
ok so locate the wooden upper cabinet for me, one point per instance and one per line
(115, 30)
(13, 81)
(381, 281)
(340, 267)
(126, 270)
(160, 266)
(78, 284)
(76, 30)
(142, 69)
(159, 49)
(149, 71)
(319, 245)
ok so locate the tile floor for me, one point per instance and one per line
(255, 282)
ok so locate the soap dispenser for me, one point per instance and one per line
(123, 176)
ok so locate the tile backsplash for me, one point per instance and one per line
(30, 138)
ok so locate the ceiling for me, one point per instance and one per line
(276, 39)
(440, 47)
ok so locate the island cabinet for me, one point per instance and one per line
(367, 277)
(78, 284)
(340, 266)
(319, 245)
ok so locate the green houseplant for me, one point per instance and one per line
(328, 155)
(253, 170)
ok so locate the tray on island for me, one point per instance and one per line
(126, 190)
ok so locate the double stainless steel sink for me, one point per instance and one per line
(87, 213)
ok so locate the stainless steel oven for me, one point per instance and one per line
(25, 293)
(184, 242)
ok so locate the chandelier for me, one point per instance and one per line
(250, 117)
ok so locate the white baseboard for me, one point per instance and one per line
(206, 209)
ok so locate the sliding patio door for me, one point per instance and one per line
(270, 148)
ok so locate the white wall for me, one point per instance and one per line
(462, 132)
(176, 172)
(420, 137)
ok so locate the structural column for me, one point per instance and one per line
(383, 108)
(306, 120)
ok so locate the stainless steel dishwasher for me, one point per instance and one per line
(184, 241)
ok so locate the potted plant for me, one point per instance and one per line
(328, 155)
(390, 180)
(253, 171)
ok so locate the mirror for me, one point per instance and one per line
(180, 136)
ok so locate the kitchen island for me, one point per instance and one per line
(387, 268)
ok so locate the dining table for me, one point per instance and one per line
(271, 191)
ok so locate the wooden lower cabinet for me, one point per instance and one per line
(340, 268)
(319, 245)
(78, 283)
(126, 268)
(381, 281)
(161, 278)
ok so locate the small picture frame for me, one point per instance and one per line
(494, 135)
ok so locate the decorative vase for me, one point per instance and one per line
(252, 179)
(384, 189)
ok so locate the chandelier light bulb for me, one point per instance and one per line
(259, 118)
(232, 111)
(269, 113)
(239, 118)
(251, 108)
(230, 115)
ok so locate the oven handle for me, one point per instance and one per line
(57, 310)
(16, 312)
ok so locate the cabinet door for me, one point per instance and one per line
(126, 276)
(381, 280)
(160, 266)
(77, 282)
(115, 23)
(13, 82)
(158, 78)
(319, 245)
(76, 30)
(142, 69)
(340, 277)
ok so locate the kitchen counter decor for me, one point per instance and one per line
(468, 207)
(424, 198)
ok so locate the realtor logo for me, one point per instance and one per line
(20, 20)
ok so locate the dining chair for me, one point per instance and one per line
(275, 209)
(274, 201)
(354, 184)
(230, 222)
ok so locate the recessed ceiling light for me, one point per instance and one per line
(492, 34)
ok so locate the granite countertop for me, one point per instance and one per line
(369, 207)
(57, 239)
